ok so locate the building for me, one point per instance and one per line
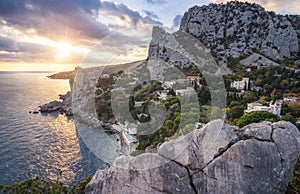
(185, 92)
(241, 85)
(169, 84)
(130, 128)
(194, 80)
(289, 100)
(138, 104)
(274, 108)
(251, 67)
(163, 95)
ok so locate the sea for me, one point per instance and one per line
(44, 145)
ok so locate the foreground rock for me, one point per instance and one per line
(218, 158)
(64, 106)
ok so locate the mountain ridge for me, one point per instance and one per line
(237, 30)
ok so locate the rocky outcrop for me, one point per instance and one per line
(258, 61)
(64, 106)
(217, 158)
(239, 29)
(182, 50)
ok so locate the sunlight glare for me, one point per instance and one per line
(63, 50)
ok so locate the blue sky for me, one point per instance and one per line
(59, 34)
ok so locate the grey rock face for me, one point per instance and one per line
(236, 29)
(218, 158)
(179, 49)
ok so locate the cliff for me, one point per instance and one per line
(217, 158)
(237, 30)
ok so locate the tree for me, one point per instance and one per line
(256, 117)
(249, 97)
(235, 113)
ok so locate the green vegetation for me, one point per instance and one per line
(102, 101)
(80, 186)
(256, 117)
(38, 185)
(235, 113)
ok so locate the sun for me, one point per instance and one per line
(63, 50)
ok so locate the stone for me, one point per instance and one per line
(51, 106)
(234, 160)
(64, 106)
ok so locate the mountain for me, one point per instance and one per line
(238, 30)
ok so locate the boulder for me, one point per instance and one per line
(51, 106)
(64, 106)
(217, 158)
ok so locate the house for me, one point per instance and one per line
(274, 108)
(138, 104)
(241, 85)
(185, 92)
(163, 95)
(194, 80)
(130, 128)
(251, 67)
(289, 100)
(169, 84)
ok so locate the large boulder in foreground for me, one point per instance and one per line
(217, 158)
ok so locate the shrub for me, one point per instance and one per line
(256, 117)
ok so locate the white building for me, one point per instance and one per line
(274, 108)
(290, 100)
(241, 85)
(185, 92)
(130, 128)
(169, 84)
(163, 95)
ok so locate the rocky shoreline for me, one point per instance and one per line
(64, 106)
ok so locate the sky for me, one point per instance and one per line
(57, 35)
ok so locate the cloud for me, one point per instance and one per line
(279, 6)
(176, 21)
(122, 11)
(74, 21)
(53, 18)
(151, 14)
(7, 44)
(156, 2)
(12, 51)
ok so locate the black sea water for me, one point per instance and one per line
(44, 145)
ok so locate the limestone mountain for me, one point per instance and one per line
(238, 30)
